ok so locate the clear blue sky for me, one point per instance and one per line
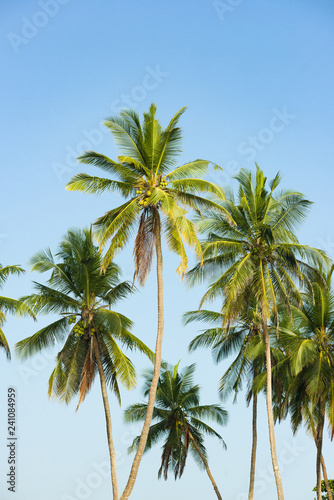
(258, 79)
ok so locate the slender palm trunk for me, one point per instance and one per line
(320, 429)
(112, 453)
(156, 372)
(205, 462)
(277, 474)
(254, 444)
(324, 472)
(323, 466)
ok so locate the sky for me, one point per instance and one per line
(257, 79)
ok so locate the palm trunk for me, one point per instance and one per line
(112, 453)
(156, 372)
(324, 471)
(205, 462)
(279, 487)
(254, 444)
(319, 449)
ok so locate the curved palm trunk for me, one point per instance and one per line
(323, 466)
(254, 444)
(156, 372)
(324, 471)
(269, 402)
(319, 448)
(112, 453)
(205, 462)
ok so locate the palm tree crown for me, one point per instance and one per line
(178, 417)
(82, 297)
(252, 246)
(148, 177)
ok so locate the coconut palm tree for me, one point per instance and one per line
(158, 194)
(309, 344)
(255, 248)
(245, 331)
(9, 305)
(81, 296)
(177, 417)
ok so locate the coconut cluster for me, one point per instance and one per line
(145, 194)
(80, 330)
(143, 202)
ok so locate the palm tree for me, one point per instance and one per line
(178, 419)
(158, 194)
(309, 344)
(80, 295)
(241, 335)
(9, 305)
(254, 248)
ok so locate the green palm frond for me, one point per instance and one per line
(118, 292)
(190, 185)
(203, 315)
(126, 137)
(118, 218)
(97, 185)
(197, 168)
(206, 429)
(170, 145)
(135, 413)
(49, 300)
(14, 306)
(134, 343)
(44, 338)
(72, 357)
(122, 365)
(8, 271)
(125, 173)
(4, 344)
(9, 305)
(212, 412)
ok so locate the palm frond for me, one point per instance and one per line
(97, 185)
(44, 338)
(4, 344)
